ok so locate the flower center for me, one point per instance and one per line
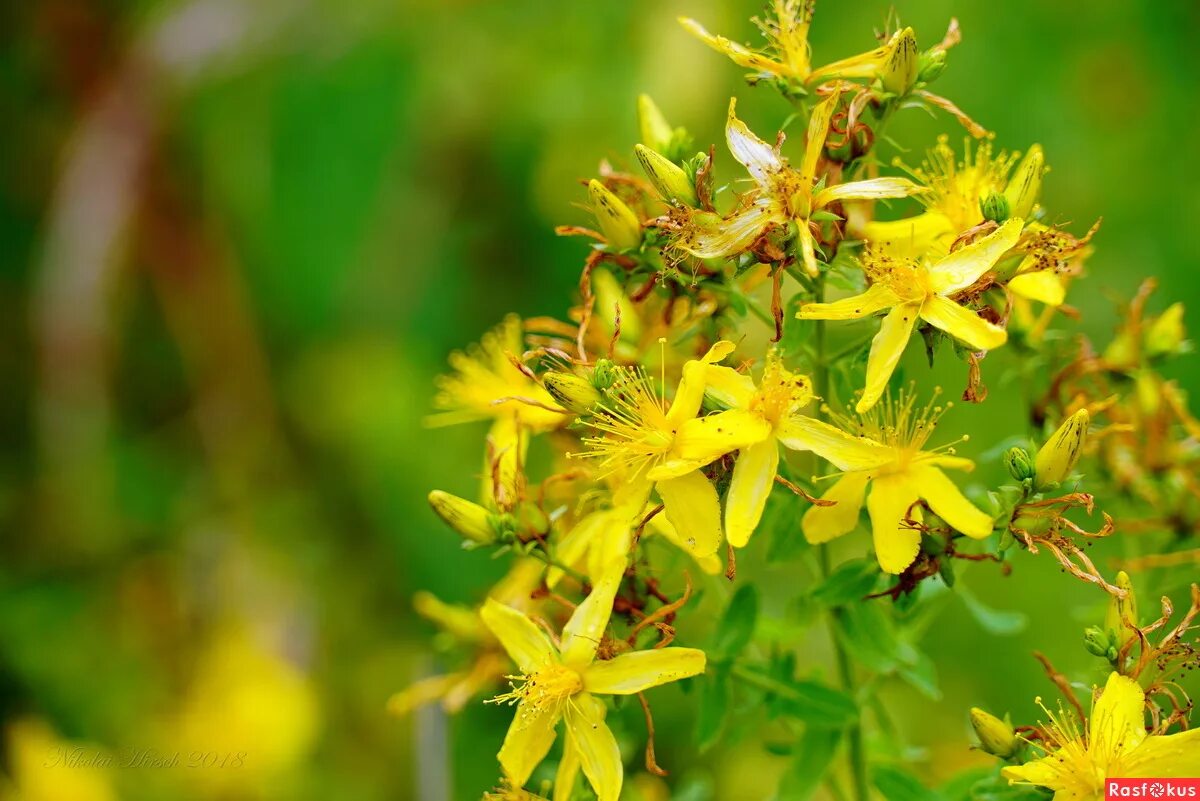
(543, 690)
(906, 277)
(781, 393)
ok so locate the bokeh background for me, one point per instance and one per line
(238, 239)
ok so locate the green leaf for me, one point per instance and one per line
(737, 625)
(897, 784)
(1001, 623)
(848, 583)
(920, 672)
(997, 788)
(714, 708)
(814, 753)
(818, 705)
(868, 635)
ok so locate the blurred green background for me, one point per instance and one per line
(239, 238)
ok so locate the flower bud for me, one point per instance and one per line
(653, 128)
(1019, 463)
(1058, 456)
(571, 391)
(604, 374)
(460, 621)
(994, 207)
(931, 65)
(1026, 184)
(1166, 333)
(1121, 621)
(619, 224)
(1097, 642)
(671, 181)
(900, 67)
(996, 736)
(469, 519)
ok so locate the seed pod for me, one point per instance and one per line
(469, 519)
(671, 181)
(996, 736)
(619, 224)
(1058, 456)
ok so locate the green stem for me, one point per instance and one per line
(550, 561)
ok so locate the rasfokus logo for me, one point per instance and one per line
(1151, 788)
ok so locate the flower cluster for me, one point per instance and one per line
(710, 375)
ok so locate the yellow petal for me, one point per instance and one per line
(1044, 286)
(876, 298)
(507, 444)
(944, 497)
(808, 250)
(703, 439)
(818, 127)
(710, 564)
(527, 644)
(1117, 725)
(896, 545)
(844, 451)
(753, 478)
(570, 550)
(947, 462)
(824, 523)
(422, 692)
(689, 395)
(739, 54)
(695, 512)
(886, 349)
(528, 740)
(728, 386)
(617, 221)
(568, 769)
(962, 324)
(635, 671)
(583, 632)
(735, 233)
(612, 545)
(595, 745)
(912, 237)
(964, 266)
(760, 159)
(1048, 771)
(1174, 756)
(871, 189)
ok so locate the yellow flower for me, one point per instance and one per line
(894, 63)
(1115, 746)
(914, 290)
(787, 41)
(648, 445)
(783, 195)
(44, 767)
(561, 681)
(955, 189)
(886, 455)
(767, 411)
(487, 384)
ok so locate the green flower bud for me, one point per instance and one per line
(653, 128)
(996, 736)
(1096, 641)
(1165, 335)
(469, 519)
(671, 181)
(1026, 183)
(994, 207)
(1121, 621)
(571, 391)
(931, 65)
(619, 224)
(604, 374)
(1019, 463)
(1058, 456)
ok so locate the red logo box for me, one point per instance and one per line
(1151, 789)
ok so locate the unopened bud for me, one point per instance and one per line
(469, 519)
(994, 207)
(1121, 621)
(1166, 333)
(1058, 456)
(1097, 642)
(653, 128)
(996, 736)
(1026, 183)
(619, 224)
(900, 66)
(931, 65)
(1019, 463)
(571, 391)
(671, 181)
(604, 374)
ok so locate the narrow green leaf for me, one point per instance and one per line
(714, 708)
(869, 636)
(818, 705)
(737, 625)
(897, 784)
(1001, 623)
(848, 583)
(814, 753)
